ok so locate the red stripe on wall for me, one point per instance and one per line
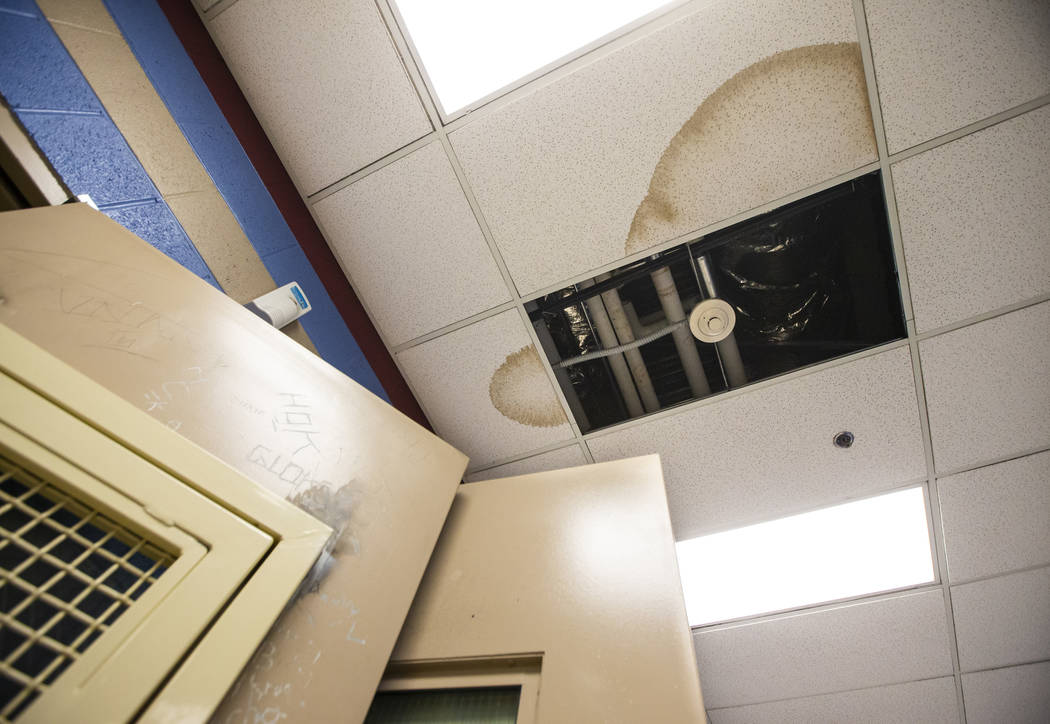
(227, 94)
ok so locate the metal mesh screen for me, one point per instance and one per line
(66, 574)
(490, 705)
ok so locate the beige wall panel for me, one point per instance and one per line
(89, 14)
(324, 80)
(576, 564)
(104, 301)
(734, 106)
(141, 116)
(220, 240)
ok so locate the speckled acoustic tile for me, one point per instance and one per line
(859, 645)
(566, 457)
(733, 106)
(974, 216)
(1017, 694)
(484, 389)
(769, 452)
(988, 388)
(943, 64)
(995, 519)
(931, 701)
(1003, 621)
(324, 80)
(412, 246)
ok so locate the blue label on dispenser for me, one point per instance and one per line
(299, 297)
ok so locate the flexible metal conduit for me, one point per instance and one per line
(652, 336)
(607, 338)
(622, 326)
(684, 341)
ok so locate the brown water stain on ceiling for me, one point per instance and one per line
(785, 122)
(521, 391)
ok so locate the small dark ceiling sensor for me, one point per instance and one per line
(844, 439)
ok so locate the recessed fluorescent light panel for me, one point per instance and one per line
(473, 48)
(867, 546)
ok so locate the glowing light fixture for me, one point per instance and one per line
(472, 48)
(866, 546)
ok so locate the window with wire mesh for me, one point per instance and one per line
(67, 573)
(488, 705)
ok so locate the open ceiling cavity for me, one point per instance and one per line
(802, 284)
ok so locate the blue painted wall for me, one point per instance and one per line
(53, 100)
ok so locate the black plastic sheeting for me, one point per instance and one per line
(810, 281)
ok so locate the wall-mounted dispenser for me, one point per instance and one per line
(282, 306)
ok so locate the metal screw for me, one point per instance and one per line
(844, 439)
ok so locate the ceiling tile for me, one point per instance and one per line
(1018, 694)
(942, 64)
(1003, 621)
(566, 457)
(887, 641)
(324, 80)
(733, 106)
(995, 519)
(932, 701)
(988, 388)
(411, 244)
(485, 390)
(954, 200)
(769, 452)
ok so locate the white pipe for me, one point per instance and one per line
(683, 338)
(622, 327)
(607, 338)
(728, 350)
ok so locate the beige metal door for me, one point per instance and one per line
(571, 574)
(130, 319)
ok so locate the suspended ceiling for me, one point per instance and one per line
(714, 112)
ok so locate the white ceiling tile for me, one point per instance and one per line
(1003, 621)
(1018, 695)
(411, 244)
(484, 389)
(866, 644)
(974, 215)
(988, 388)
(325, 81)
(942, 64)
(566, 457)
(769, 452)
(932, 701)
(997, 518)
(731, 107)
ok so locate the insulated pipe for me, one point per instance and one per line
(622, 326)
(683, 339)
(551, 350)
(728, 351)
(607, 337)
